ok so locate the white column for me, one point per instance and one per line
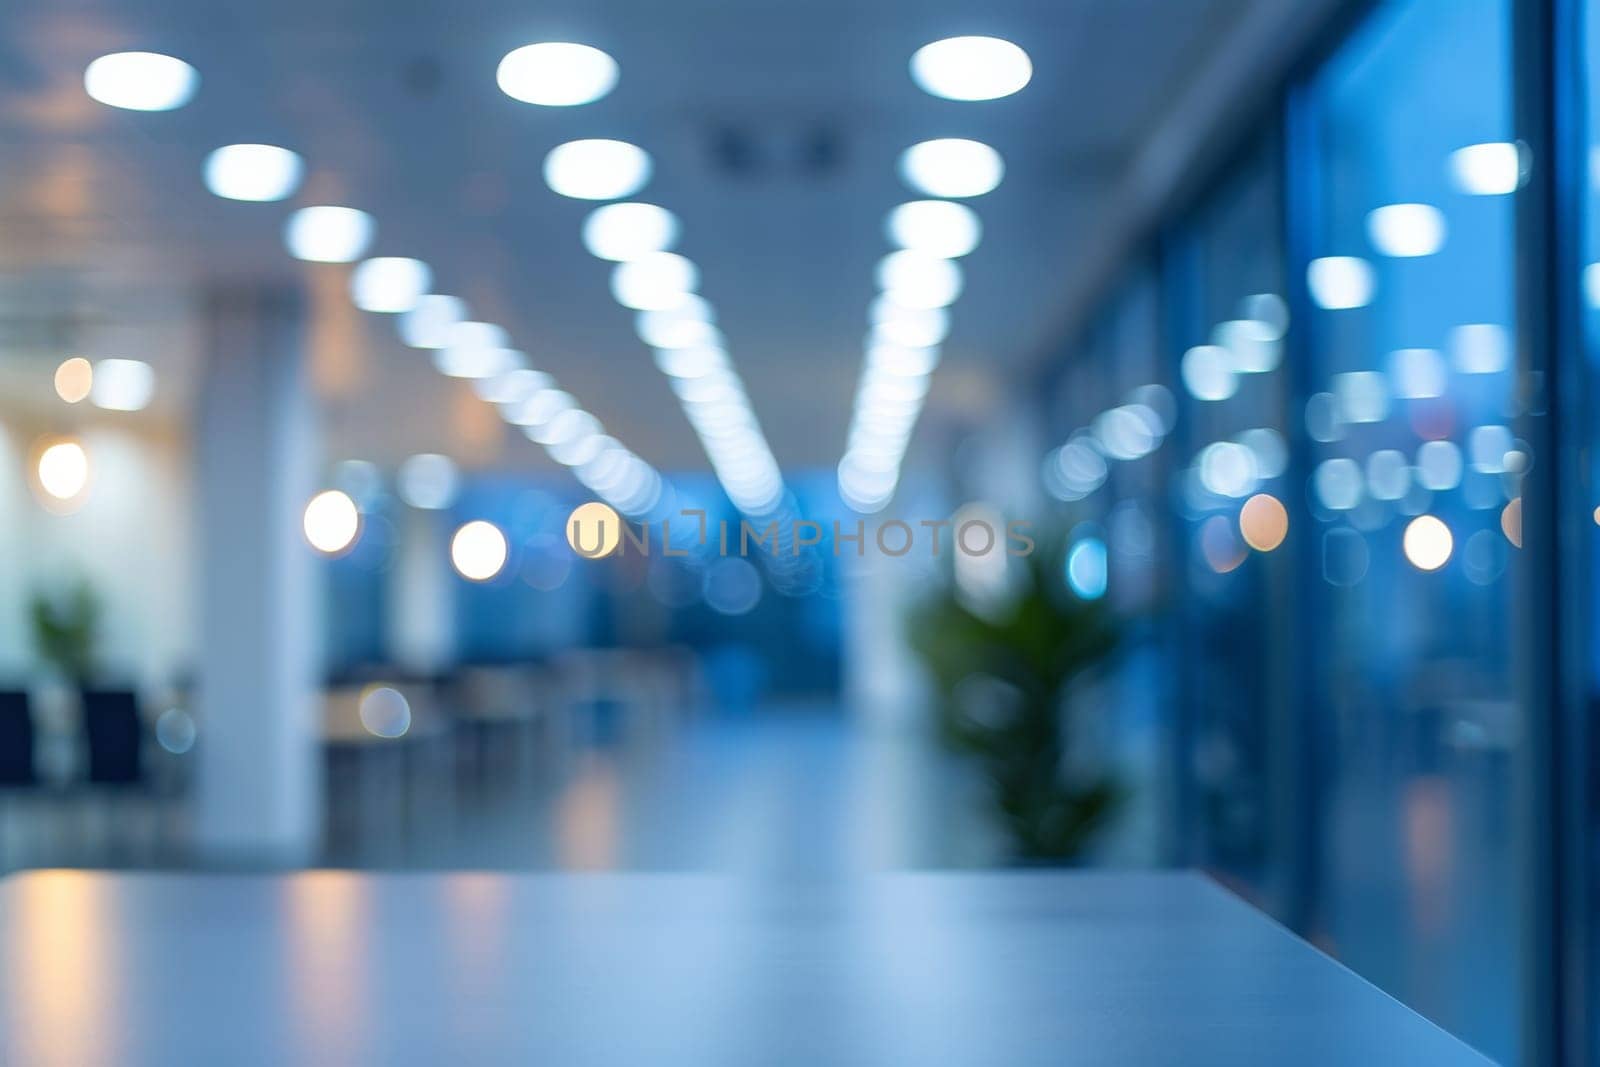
(258, 796)
(884, 683)
(421, 619)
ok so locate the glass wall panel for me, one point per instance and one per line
(1131, 429)
(1107, 422)
(1414, 497)
(1229, 332)
(1586, 431)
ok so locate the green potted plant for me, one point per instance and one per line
(65, 630)
(1003, 675)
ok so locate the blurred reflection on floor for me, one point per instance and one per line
(791, 790)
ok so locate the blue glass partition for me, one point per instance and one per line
(1415, 499)
(1229, 332)
(1108, 416)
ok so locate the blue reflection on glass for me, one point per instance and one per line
(1086, 568)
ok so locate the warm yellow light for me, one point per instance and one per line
(74, 379)
(1511, 521)
(331, 522)
(1428, 543)
(593, 530)
(1263, 522)
(64, 470)
(478, 550)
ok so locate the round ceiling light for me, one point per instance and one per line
(941, 228)
(429, 324)
(952, 167)
(917, 281)
(140, 81)
(597, 169)
(556, 74)
(656, 282)
(621, 232)
(390, 284)
(258, 172)
(328, 234)
(971, 68)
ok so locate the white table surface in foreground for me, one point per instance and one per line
(998, 970)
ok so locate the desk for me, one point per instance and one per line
(989, 970)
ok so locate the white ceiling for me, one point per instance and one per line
(774, 128)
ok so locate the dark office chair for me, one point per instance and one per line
(16, 739)
(115, 736)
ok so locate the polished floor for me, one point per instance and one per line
(787, 790)
(792, 790)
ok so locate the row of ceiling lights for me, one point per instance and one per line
(921, 277)
(918, 281)
(660, 286)
(402, 286)
(649, 278)
(143, 81)
(656, 283)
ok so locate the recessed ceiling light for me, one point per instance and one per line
(328, 234)
(902, 362)
(477, 362)
(257, 172)
(718, 387)
(512, 386)
(579, 450)
(565, 426)
(909, 327)
(540, 408)
(475, 335)
(428, 325)
(622, 232)
(672, 332)
(655, 282)
(476, 350)
(952, 167)
(140, 81)
(390, 284)
(556, 74)
(597, 169)
(971, 68)
(914, 280)
(122, 385)
(691, 362)
(688, 324)
(935, 227)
